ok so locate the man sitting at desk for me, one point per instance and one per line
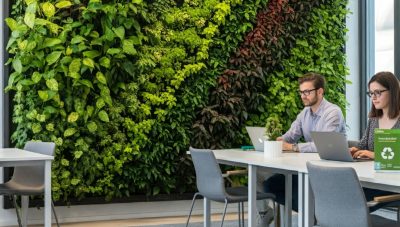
(317, 115)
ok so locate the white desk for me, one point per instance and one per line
(10, 157)
(288, 164)
(295, 163)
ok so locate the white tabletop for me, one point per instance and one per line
(17, 155)
(296, 162)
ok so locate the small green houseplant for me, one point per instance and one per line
(273, 129)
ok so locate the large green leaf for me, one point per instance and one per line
(53, 57)
(17, 65)
(48, 9)
(52, 84)
(63, 4)
(69, 132)
(103, 116)
(127, 47)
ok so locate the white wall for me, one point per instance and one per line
(173, 208)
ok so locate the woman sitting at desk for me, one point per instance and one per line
(384, 91)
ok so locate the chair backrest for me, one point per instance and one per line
(33, 175)
(339, 198)
(210, 182)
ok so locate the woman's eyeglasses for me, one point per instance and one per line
(376, 93)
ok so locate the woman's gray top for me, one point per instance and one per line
(367, 141)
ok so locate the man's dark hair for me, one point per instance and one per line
(391, 83)
(317, 79)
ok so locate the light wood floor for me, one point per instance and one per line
(145, 221)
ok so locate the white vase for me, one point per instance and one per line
(272, 149)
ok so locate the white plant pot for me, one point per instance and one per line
(272, 149)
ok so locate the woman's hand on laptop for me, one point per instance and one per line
(364, 154)
(353, 150)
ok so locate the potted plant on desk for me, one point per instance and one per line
(273, 129)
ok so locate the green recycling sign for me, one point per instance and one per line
(387, 153)
(387, 149)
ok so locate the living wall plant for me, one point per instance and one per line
(289, 39)
(111, 82)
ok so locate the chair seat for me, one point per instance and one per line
(383, 222)
(240, 194)
(13, 188)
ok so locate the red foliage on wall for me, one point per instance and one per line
(238, 90)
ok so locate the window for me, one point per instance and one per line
(384, 35)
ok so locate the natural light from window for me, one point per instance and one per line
(384, 35)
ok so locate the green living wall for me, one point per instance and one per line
(124, 87)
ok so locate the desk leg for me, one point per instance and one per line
(288, 200)
(207, 212)
(252, 195)
(47, 193)
(300, 214)
(24, 209)
(308, 203)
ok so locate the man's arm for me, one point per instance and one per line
(295, 132)
(333, 121)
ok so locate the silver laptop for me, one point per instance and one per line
(333, 146)
(257, 137)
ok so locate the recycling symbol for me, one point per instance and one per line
(387, 153)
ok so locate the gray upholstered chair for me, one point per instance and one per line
(381, 201)
(28, 180)
(210, 184)
(340, 200)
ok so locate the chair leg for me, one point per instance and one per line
(223, 215)
(398, 214)
(16, 210)
(54, 212)
(242, 214)
(239, 215)
(191, 208)
(276, 215)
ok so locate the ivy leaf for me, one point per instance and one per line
(91, 54)
(92, 126)
(36, 77)
(29, 19)
(87, 83)
(11, 23)
(75, 66)
(88, 62)
(105, 62)
(53, 57)
(113, 51)
(101, 78)
(36, 128)
(43, 95)
(73, 117)
(63, 4)
(103, 116)
(100, 103)
(77, 154)
(137, 1)
(64, 162)
(120, 32)
(69, 132)
(48, 9)
(75, 181)
(52, 84)
(17, 65)
(77, 39)
(50, 42)
(127, 47)
(50, 127)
